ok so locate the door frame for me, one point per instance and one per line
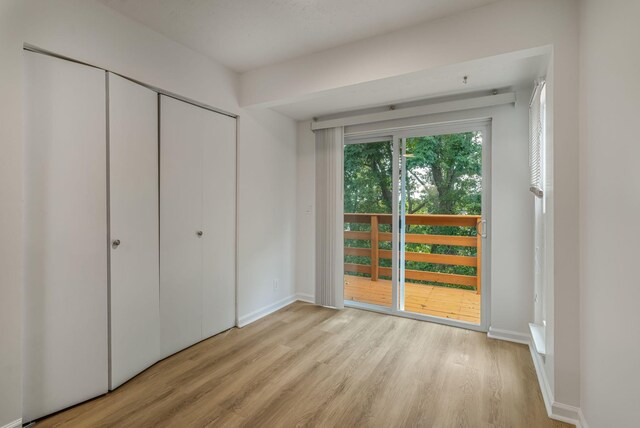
(396, 135)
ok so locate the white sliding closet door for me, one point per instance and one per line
(219, 224)
(183, 131)
(133, 176)
(65, 269)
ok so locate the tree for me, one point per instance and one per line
(448, 165)
(368, 178)
(443, 175)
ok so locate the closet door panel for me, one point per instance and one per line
(181, 136)
(219, 224)
(135, 282)
(65, 227)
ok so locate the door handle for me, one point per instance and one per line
(115, 243)
(483, 228)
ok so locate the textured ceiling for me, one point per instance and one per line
(248, 34)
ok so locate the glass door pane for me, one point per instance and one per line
(440, 209)
(368, 208)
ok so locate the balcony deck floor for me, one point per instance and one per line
(431, 300)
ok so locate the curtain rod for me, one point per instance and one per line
(443, 107)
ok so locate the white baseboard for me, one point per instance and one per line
(545, 388)
(304, 297)
(583, 421)
(565, 413)
(509, 336)
(269, 309)
(555, 410)
(15, 424)
(266, 310)
(558, 411)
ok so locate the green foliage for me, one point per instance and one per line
(444, 174)
(367, 178)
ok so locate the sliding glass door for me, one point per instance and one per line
(415, 206)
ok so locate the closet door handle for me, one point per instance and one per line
(199, 233)
(115, 243)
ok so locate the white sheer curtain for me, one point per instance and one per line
(329, 218)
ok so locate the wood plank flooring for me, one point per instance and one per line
(443, 302)
(307, 365)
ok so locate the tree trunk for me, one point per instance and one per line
(384, 189)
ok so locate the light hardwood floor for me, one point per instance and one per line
(311, 366)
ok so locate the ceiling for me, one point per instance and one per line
(506, 71)
(248, 34)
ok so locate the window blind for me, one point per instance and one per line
(329, 218)
(537, 138)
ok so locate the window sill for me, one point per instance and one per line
(538, 336)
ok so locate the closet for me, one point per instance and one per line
(197, 223)
(130, 238)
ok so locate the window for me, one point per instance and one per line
(537, 163)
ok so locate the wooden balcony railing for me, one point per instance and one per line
(375, 253)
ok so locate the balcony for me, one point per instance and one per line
(442, 270)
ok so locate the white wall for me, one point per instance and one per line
(267, 209)
(511, 207)
(10, 214)
(496, 29)
(93, 33)
(610, 203)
